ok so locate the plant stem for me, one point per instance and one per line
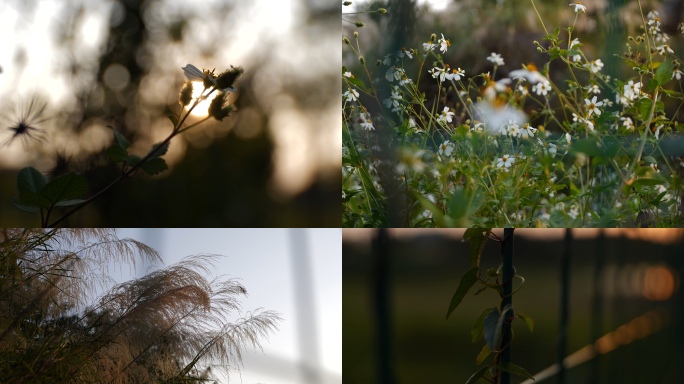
(130, 172)
(507, 300)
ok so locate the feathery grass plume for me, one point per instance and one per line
(171, 325)
(23, 121)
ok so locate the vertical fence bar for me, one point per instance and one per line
(597, 305)
(382, 309)
(307, 325)
(564, 294)
(507, 276)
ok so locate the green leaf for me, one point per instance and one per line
(478, 328)
(65, 187)
(159, 149)
(174, 120)
(24, 207)
(516, 370)
(29, 183)
(644, 106)
(436, 211)
(591, 147)
(664, 72)
(121, 140)
(70, 203)
(480, 372)
(483, 354)
(133, 160)
(478, 239)
(116, 153)
(30, 180)
(493, 327)
(358, 82)
(154, 166)
(462, 204)
(528, 320)
(490, 322)
(467, 281)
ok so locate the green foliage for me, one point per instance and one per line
(511, 153)
(36, 193)
(467, 281)
(478, 374)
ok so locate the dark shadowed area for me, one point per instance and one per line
(624, 292)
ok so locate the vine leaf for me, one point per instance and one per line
(483, 354)
(528, 320)
(480, 372)
(467, 281)
(493, 325)
(490, 325)
(478, 328)
(478, 239)
(516, 370)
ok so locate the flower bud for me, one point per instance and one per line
(346, 41)
(218, 108)
(185, 95)
(226, 80)
(382, 11)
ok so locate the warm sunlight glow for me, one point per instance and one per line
(659, 283)
(202, 109)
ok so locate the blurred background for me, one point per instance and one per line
(477, 28)
(296, 272)
(117, 63)
(624, 290)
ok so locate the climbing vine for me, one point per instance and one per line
(494, 323)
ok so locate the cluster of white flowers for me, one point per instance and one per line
(429, 46)
(579, 7)
(505, 161)
(351, 95)
(592, 106)
(446, 74)
(444, 44)
(548, 147)
(627, 123)
(446, 148)
(575, 43)
(366, 122)
(582, 121)
(594, 66)
(445, 116)
(631, 91)
(527, 131)
(404, 52)
(393, 100)
(496, 59)
(542, 89)
(654, 30)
